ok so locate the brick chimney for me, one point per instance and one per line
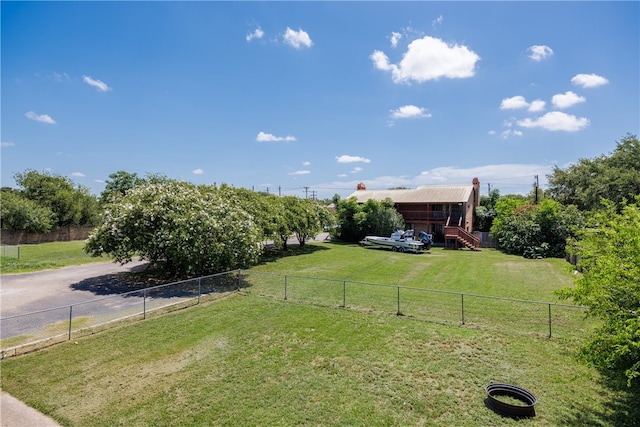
(476, 192)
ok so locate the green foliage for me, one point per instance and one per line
(20, 213)
(70, 205)
(519, 225)
(486, 212)
(302, 217)
(370, 218)
(118, 184)
(197, 230)
(588, 182)
(121, 181)
(185, 229)
(609, 251)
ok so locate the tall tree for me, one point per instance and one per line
(486, 212)
(609, 251)
(19, 213)
(615, 177)
(118, 184)
(370, 218)
(71, 205)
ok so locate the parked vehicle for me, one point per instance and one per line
(400, 241)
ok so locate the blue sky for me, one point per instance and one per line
(311, 98)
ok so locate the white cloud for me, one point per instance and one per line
(43, 118)
(519, 102)
(566, 100)
(306, 163)
(197, 171)
(57, 77)
(410, 112)
(301, 172)
(381, 61)
(537, 105)
(429, 58)
(589, 80)
(395, 38)
(438, 21)
(540, 52)
(256, 34)
(100, 85)
(78, 174)
(342, 175)
(345, 158)
(514, 103)
(510, 132)
(356, 169)
(267, 137)
(6, 144)
(297, 39)
(555, 121)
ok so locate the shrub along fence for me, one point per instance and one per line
(26, 332)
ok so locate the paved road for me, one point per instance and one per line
(29, 292)
(24, 293)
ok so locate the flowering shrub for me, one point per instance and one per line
(185, 229)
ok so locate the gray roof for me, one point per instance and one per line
(432, 194)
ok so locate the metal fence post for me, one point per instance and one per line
(462, 298)
(70, 319)
(344, 293)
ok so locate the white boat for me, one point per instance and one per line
(400, 241)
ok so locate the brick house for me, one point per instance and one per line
(446, 212)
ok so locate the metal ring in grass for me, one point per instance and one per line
(509, 409)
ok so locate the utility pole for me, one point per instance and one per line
(313, 194)
(535, 184)
(306, 192)
(489, 187)
(279, 191)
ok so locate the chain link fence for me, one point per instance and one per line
(25, 332)
(547, 319)
(10, 251)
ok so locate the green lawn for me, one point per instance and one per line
(44, 256)
(255, 360)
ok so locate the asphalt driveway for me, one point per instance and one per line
(29, 292)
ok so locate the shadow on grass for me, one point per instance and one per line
(272, 254)
(133, 284)
(623, 410)
(143, 277)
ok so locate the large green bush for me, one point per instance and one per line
(185, 229)
(520, 225)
